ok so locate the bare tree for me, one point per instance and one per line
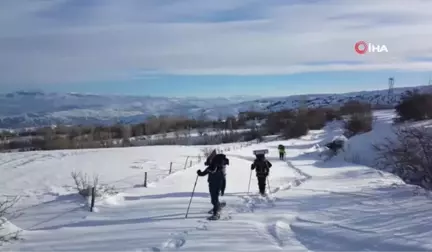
(409, 155)
(6, 205)
(126, 133)
(83, 183)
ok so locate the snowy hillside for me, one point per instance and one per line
(32, 109)
(378, 97)
(313, 205)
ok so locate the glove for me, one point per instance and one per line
(199, 172)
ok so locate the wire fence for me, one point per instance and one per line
(92, 200)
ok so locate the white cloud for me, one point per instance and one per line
(68, 41)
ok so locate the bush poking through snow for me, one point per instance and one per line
(84, 184)
(409, 155)
(6, 234)
(295, 129)
(355, 107)
(415, 107)
(254, 134)
(315, 118)
(207, 151)
(358, 123)
(332, 115)
(6, 204)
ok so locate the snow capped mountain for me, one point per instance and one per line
(33, 109)
(376, 97)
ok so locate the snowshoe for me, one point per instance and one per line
(222, 205)
(214, 217)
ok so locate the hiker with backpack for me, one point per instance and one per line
(225, 162)
(281, 149)
(216, 178)
(262, 169)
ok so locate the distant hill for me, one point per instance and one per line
(35, 109)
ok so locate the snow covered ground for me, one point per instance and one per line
(314, 205)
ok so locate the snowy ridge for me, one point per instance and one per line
(312, 205)
(34, 109)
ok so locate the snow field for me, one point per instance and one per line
(313, 206)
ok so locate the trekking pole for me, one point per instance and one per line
(268, 183)
(268, 180)
(193, 191)
(250, 178)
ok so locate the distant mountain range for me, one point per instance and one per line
(34, 109)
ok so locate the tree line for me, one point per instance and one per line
(289, 123)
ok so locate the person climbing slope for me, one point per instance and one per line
(225, 161)
(215, 172)
(262, 168)
(281, 149)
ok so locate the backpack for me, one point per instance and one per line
(218, 163)
(262, 166)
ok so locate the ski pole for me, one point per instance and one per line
(250, 178)
(268, 183)
(193, 191)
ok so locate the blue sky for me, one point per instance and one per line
(212, 48)
(265, 85)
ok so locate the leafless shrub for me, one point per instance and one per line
(414, 106)
(6, 205)
(355, 107)
(409, 155)
(84, 183)
(358, 123)
(207, 151)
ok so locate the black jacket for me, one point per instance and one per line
(215, 174)
(261, 166)
(216, 169)
(218, 160)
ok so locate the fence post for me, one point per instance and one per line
(145, 179)
(187, 159)
(93, 196)
(170, 170)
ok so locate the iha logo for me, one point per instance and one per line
(361, 47)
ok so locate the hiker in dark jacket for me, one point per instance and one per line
(262, 168)
(220, 158)
(216, 177)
